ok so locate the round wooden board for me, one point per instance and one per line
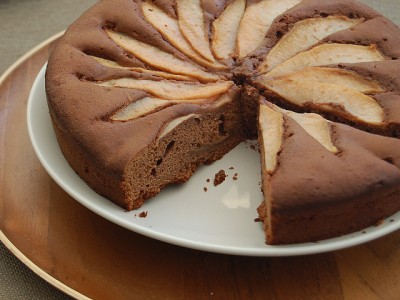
(85, 255)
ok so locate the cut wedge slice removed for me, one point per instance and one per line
(327, 54)
(171, 89)
(192, 25)
(225, 30)
(304, 35)
(169, 28)
(329, 97)
(159, 59)
(256, 22)
(342, 77)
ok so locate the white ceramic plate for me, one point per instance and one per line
(220, 220)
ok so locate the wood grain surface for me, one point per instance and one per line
(85, 255)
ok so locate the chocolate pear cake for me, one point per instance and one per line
(141, 93)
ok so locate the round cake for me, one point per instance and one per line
(141, 93)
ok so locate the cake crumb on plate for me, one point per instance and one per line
(219, 177)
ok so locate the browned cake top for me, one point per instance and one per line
(152, 54)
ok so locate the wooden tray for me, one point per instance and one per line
(86, 256)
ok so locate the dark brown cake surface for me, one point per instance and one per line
(143, 92)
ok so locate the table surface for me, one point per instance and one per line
(24, 24)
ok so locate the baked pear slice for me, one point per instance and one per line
(225, 30)
(341, 77)
(304, 35)
(169, 28)
(192, 25)
(315, 125)
(140, 108)
(113, 64)
(171, 89)
(327, 97)
(148, 105)
(271, 124)
(328, 54)
(256, 22)
(159, 59)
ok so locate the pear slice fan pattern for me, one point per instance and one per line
(295, 68)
